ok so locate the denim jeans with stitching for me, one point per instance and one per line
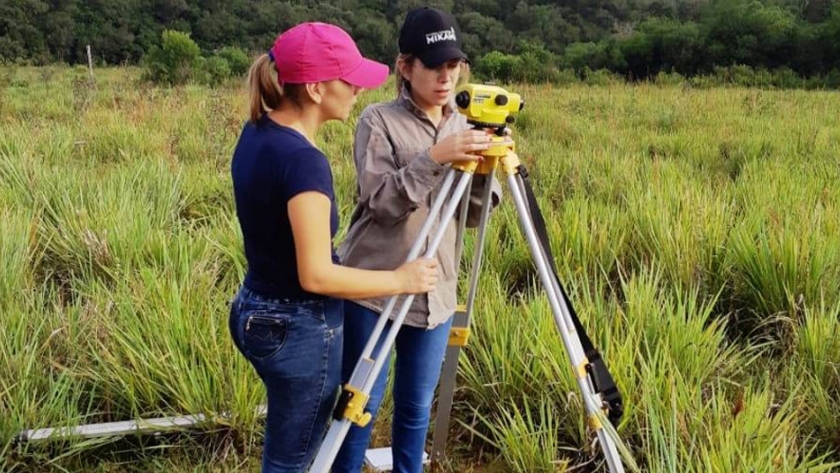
(416, 373)
(295, 346)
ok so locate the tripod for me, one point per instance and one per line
(594, 380)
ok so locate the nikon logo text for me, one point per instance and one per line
(445, 35)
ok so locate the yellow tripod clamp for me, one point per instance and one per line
(354, 410)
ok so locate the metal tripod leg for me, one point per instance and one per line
(358, 389)
(460, 331)
(562, 318)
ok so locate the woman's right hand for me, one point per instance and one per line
(418, 276)
(461, 146)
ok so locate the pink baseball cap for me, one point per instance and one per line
(317, 52)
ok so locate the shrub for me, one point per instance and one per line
(174, 61)
(237, 60)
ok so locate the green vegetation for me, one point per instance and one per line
(695, 231)
(785, 42)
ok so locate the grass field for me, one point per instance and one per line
(696, 231)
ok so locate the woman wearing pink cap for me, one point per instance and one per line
(287, 317)
(402, 149)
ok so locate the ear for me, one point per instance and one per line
(404, 70)
(315, 92)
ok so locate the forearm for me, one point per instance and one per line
(350, 283)
(309, 215)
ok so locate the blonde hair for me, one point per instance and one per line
(266, 93)
(408, 60)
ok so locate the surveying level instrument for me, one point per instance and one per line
(489, 108)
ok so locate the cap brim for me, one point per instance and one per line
(435, 57)
(368, 74)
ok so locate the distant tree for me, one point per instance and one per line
(748, 32)
(637, 38)
(237, 60)
(662, 44)
(543, 23)
(498, 66)
(211, 71)
(19, 33)
(483, 34)
(579, 55)
(175, 60)
(536, 63)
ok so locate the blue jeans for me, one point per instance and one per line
(295, 347)
(416, 374)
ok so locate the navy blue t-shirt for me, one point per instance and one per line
(271, 164)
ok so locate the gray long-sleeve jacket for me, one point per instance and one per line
(397, 184)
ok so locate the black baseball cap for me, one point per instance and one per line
(432, 35)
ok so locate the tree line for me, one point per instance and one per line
(534, 39)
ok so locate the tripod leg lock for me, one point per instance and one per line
(351, 405)
(459, 336)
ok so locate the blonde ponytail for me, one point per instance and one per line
(266, 93)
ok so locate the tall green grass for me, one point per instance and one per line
(695, 232)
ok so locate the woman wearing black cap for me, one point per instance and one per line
(402, 149)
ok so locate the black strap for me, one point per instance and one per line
(597, 368)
